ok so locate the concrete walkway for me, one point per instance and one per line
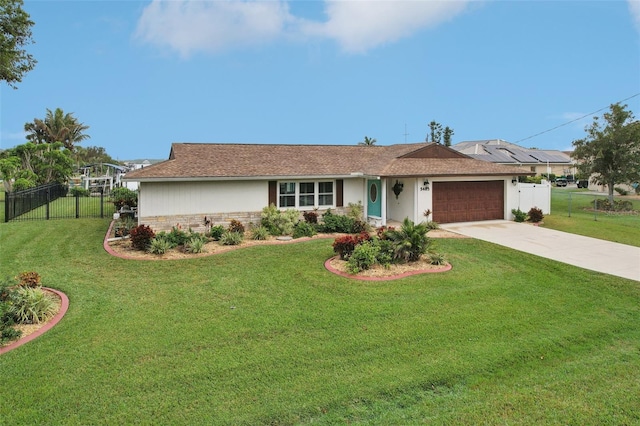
(589, 253)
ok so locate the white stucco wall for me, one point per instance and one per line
(176, 198)
(162, 205)
(404, 206)
(354, 191)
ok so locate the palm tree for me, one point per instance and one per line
(368, 141)
(410, 241)
(57, 127)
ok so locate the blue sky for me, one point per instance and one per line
(145, 74)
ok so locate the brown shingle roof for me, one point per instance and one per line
(204, 161)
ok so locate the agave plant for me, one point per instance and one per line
(410, 241)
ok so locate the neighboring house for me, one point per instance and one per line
(236, 181)
(135, 165)
(538, 161)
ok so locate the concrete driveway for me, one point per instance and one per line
(589, 253)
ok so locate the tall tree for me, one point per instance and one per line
(368, 141)
(37, 163)
(91, 155)
(610, 153)
(448, 132)
(435, 132)
(56, 127)
(15, 28)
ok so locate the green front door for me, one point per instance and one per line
(374, 198)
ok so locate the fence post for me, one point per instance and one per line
(6, 206)
(101, 203)
(595, 208)
(48, 201)
(569, 204)
(77, 205)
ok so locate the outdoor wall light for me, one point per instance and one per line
(514, 181)
(397, 188)
(425, 184)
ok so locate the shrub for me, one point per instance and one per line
(518, 215)
(356, 210)
(437, 259)
(216, 232)
(231, 238)
(177, 237)
(141, 237)
(159, 245)
(288, 220)
(78, 191)
(385, 252)
(29, 279)
(123, 226)
(6, 286)
(7, 332)
(410, 241)
(345, 245)
(31, 305)
(621, 191)
(364, 256)
(304, 229)
(618, 205)
(535, 215)
(195, 244)
(269, 218)
(310, 217)
(336, 223)
(259, 233)
(358, 226)
(236, 226)
(432, 225)
(277, 222)
(381, 232)
(124, 197)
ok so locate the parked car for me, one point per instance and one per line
(561, 182)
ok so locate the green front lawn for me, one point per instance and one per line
(265, 335)
(572, 211)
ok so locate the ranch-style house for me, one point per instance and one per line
(393, 182)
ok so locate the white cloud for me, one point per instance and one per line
(360, 25)
(634, 9)
(211, 26)
(188, 26)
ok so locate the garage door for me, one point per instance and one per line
(468, 201)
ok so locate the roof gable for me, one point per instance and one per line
(435, 150)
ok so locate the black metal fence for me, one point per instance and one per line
(53, 201)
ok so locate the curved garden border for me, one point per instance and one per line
(64, 305)
(327, 264)
(113, 252)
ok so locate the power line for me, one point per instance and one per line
(574, 120)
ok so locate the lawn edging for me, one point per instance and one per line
(327, 265)
(64, 306)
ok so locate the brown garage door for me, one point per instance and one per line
(468, 201)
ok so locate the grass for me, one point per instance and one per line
(66, 207)
(265, 335)
(582, 220)
(2, 196)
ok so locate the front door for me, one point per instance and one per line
(374, 198)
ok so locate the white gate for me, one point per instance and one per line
(534, 195)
